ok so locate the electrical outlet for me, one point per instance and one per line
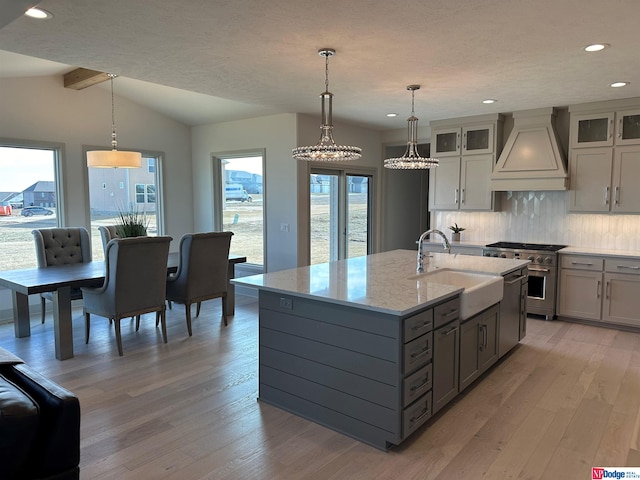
(284, 227)
(286, 303)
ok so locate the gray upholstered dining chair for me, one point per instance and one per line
(202, 272)
(61, 246)
(134, 284)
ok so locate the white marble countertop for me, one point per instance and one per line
(603, 252)
(380, 282)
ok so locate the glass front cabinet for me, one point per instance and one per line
(449, 142)
(467, 149)
(605, 129)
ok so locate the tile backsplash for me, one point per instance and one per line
(542, 217)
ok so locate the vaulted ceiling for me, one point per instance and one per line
(205, 61)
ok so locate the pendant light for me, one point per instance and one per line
(113, 158)
(326, 149)
(411, 160)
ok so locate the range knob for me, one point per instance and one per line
(487, 254)
(530, 258)
(503, 255)
(539, 259)
(548, 260)
(495, 255)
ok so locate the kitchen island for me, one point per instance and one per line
(362, 345)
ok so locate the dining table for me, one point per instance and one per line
(59, 280)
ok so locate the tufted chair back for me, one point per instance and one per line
(60, 246)
(108, 233)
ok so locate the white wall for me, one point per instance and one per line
(40, 109)
(276, 135)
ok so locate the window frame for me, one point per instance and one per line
(218, 192)
(58, 151)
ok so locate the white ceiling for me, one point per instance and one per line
(205, 61)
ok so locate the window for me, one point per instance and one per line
(28, 199)
(114, 190)
(239, 186)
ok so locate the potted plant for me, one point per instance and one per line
(455, 236)
(132, 223)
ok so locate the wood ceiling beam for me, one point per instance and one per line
(83, 77)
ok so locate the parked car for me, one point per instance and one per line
(31, 211)
(234, 191)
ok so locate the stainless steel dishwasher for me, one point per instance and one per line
(513, 310)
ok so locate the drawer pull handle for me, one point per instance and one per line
(450, 313)
(422, 414)
(418, 387)
(586, 264)
(629, 267)
(421, 353)
(418, 327)
(450, 331)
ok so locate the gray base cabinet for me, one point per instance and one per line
(368, 375)
(478, 345)
(372, 376)
(446, 354)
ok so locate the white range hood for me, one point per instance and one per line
(532, 159)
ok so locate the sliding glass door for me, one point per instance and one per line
(340, 216)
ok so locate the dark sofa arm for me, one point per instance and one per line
(56, 452)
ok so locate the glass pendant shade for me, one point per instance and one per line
(411, 160)
(113, 158)
(326, 149)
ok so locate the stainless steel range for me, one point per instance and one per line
(543, 272)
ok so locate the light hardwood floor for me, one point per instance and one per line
(565, 400)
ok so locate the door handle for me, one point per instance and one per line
(598, 289)
(607, 290)
(611, 128)
(455, 196)
(523, 277)
(606, 195)
(617, 195)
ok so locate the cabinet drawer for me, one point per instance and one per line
(581, 262)
(417, 353)
(622, 265)
(416, 414)
(418, 325)
(446, 312)
(417, 384)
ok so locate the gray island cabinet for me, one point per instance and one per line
(361, 346)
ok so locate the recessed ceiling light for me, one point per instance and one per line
(392, 114)
(619, 84)
(489, 100)
(38, 13)
(596, 47)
